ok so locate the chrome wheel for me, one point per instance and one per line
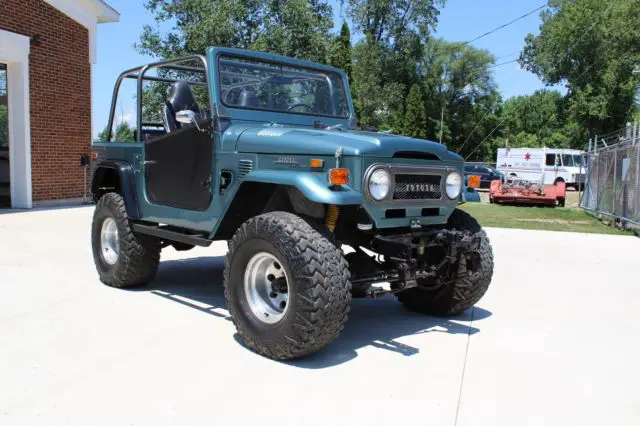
(109, 244)
(265, 284)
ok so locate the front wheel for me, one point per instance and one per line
(287, 286)
(468, 286)
(122, 258)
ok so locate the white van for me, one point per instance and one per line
(555, 164)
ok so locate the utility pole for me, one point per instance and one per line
(441, 122)
(636, 109)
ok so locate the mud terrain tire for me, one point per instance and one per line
(318, 286)
(138, 257)
(467, 289)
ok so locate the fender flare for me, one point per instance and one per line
(127, 184)
(312, 186)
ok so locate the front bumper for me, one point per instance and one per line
(409, 260)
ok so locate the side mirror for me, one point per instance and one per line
(186, 117)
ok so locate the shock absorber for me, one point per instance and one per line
(331, 217)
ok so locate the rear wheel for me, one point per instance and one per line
(286, 285)
(122, 258)
(466, 289)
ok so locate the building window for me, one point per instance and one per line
(5, 172)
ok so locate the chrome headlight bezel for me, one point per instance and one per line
(453, 185)
(379, 173)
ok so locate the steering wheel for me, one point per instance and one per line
(309, 107)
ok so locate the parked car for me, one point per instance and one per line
(272, 163)
(486, 173)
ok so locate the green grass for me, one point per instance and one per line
(539, 218)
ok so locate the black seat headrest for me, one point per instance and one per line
(181, 97)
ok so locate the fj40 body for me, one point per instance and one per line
(262, 151)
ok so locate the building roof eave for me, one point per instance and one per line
(106, 13)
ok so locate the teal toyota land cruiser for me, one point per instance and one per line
(262, 151)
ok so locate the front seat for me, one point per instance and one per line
(180, 98)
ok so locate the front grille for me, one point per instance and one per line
(417, 187)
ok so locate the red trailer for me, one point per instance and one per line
(519, 191)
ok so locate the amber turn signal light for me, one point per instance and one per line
(316, 163)
(474, 181)
(339, 176)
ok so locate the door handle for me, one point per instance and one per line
(149, 162)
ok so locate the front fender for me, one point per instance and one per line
(126, 181)
(314, 186)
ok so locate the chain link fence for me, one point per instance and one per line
(612, 180)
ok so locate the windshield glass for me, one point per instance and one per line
(568, 160)
(577, 160)
(281, 88)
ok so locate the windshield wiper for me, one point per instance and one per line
(335, 127)
(319, 125)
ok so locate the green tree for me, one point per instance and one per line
(123, 133)
(340, 54)
(535, 119)
(393, 23)
(415, 116)
(384, 67)
(297, 28)
(4, 127)
(457, 79)
(591, 46)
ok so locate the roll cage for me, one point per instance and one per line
(175, 68)
(139, 74)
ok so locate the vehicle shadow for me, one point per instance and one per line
(197, 283)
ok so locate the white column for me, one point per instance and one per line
(14, 51)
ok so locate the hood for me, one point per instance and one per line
(305, 141)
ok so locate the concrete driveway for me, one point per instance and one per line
(555, 341)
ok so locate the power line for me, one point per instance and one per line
(501, 27)
(507, 55)
(507, 24)
(503, 63)
(487, 137)
(474, 129)
(571, 47)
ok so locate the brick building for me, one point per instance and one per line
(47, 50)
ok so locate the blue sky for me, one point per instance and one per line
(460, 20)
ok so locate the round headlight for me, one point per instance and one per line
(453, 185)
(379, 184)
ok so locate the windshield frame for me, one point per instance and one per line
(324, 71)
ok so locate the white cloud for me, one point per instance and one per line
(129, 117)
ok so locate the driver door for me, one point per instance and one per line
(178, 167)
